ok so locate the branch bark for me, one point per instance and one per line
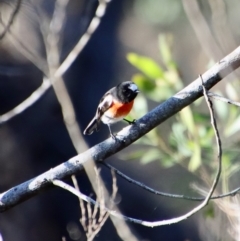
(127, 136)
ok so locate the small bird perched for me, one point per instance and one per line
(114, 106)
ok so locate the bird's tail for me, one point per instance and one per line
(92, 126)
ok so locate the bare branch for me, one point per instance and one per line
(53, 56)
(125, 137)
(94, 223)
(74, 191)
(84, 39)
(37, 60)
(38, 93)
(33, 98)
(165, 194)
(83, 219)
(223, 99)
(11, 19)
(173, 220)
(200, 26)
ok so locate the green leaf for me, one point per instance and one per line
(195, 160)
(187, 119)
(201, 118)
(168, 162)
(144, 84)
(146, 65)
(178, 139)
(150, 155)
(209, 211)
(136, 154)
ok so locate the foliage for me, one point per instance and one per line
(190, 140)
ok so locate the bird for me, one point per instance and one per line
(114, 106)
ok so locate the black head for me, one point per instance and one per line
(127, 91)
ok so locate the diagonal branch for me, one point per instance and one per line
(172, 220)
(125, 137)
(69, 116)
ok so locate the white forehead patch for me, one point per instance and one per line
(133, 87)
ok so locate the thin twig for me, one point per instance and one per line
(89, 218)
(38, 93)
(223, 99)
(11, 19)
(214, 123)
(84, 39)
(81, 195)
(92, 229)
(200, 26)
(83, 219)
(103, 214)
(193, 211)
(69, 115)
(100, 196)
(220, 25)
(127, 136)
(33, 98)
(74, 191)
(37, 60)
(165, 194)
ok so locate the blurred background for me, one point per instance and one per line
(162, 46)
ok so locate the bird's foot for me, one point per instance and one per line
(130, 122)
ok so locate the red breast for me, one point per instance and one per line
(118, 109)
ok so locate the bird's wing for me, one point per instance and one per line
(104, 105)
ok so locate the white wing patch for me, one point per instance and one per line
(106, 103)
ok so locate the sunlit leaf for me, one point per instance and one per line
(202, 118)
(150, 155)
(195, 160)
(146, 65)
(172, 79)
(209, 211)
(136, 154)
(160, 94)
(144, 84)
(187, 118)
(205, 136)
(178, 139)
(168, 162)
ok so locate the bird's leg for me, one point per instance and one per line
(129, 122)
(111, 134)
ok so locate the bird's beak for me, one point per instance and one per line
(137, 91)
